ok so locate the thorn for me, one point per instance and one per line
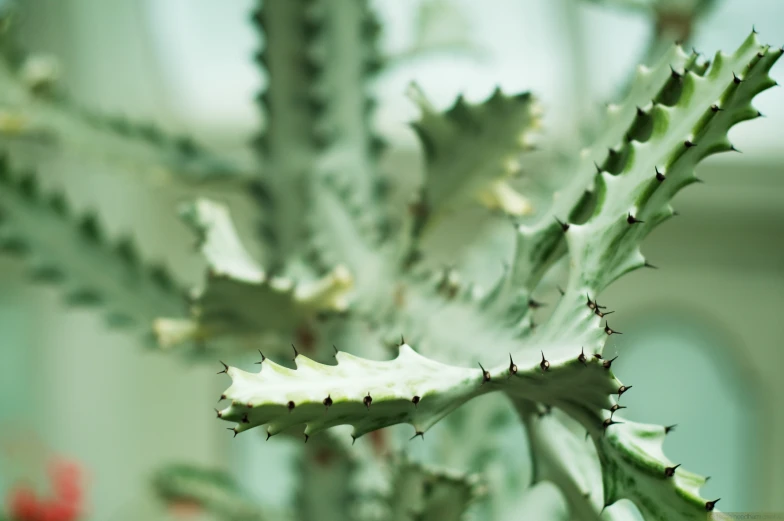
(512, 366)
(544, 364)
(418, 433)
(222, 397)
(716, 108)
(218, 413)
(485, 374)
(707, 478)
(607, 363)
(754, 31)
(760, 114)
(327, 401)
(547, 410)
(268, 435)
(633, 220)
(597, 356)
(610, 331)
(675, 74)
(640, 112)
(233, 429)
(533, 304)
(353, 439)
(415, 400)
(296, 353)
(245, 418)
(402, 340)
(596, 302)
(736, 79)
(733, 149)
(615, 408)
(622, 389)
(587, 434)
(598, 168)
(689, 143)
(709, 505)
(367, 400)
(591, 304)
(659, 175)
(560, 290)
(670, 471)
(564, 226)
(649, 265)
(290, 405)
(668, 429)
(262, 358)
(335, 356)
(225, 369)
(582, 358)
(607, 422)
(602, 314)
(306, 437)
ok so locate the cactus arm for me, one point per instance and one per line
(633, 464)
(538, 245)
(215, 491)
(55, 121)
(412, 389)
(238, 298)
(706, 109)
(317, 115)
(365, 394)
(429, 494)
(470, 152)
(71, 250)
(564, 459)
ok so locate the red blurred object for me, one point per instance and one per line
(23, 504)
(65, 503)
(66, 479)
(57, 510)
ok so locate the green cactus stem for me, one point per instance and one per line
(75, 253)
(54, 121)
(318, 114)
(212, 490)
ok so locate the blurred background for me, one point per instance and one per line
(702, 334)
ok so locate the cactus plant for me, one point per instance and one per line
(344, 273)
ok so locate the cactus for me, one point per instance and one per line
(344, 273)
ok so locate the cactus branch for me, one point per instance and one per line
(239, 298)
(471, 150)
(54, 121)
(72, 250)
(212, 490)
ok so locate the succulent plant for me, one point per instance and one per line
(344, 273)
